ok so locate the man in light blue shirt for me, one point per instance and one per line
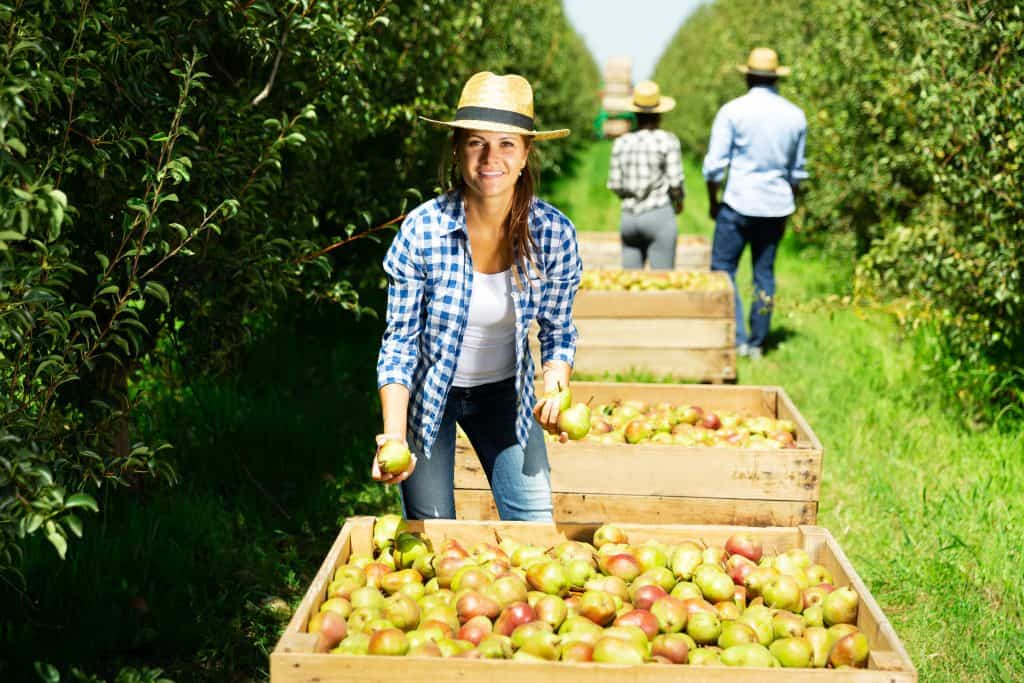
(760, 139)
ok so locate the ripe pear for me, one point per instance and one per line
(385, 529)
(562, 396)
(393, 457)
(575, 421)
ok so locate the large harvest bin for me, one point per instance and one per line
(683, 333)
(293, 659)
(604, 250)
(668, 483)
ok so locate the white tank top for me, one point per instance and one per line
(489, 345)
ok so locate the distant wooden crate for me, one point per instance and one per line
(677, 333)
(604, 250)
(666, 483)
(293, 659)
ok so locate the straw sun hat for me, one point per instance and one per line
(763, 61)
(647, 99)
(500, 104)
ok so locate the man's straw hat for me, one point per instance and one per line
(647, 99)
(763, 61)
(500, 104)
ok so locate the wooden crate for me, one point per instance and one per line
(604, 250)
(689, 334)
(667, 483)
(293, 659)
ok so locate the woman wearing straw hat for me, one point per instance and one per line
(468, 273)
(647, 173)
(760, 139)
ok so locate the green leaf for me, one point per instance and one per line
(58, 541)
(48, 673)
(158, 291)
(109, 289)
(73, 523)
(17, 145)
(82, 500)
(10, 236)
(159, 137)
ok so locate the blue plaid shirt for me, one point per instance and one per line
(430, 275)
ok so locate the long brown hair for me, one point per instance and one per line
(517, 223)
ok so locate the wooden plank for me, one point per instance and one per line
(666, 470)
(654, 304)
(584, 507)
(889, 662)
(787, 410)
(317, 591)
(740, 399)
(695, 364)
(656, 333)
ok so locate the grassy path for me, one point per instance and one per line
(930, 512)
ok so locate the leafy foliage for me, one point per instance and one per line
(916, 115)
(171, 176)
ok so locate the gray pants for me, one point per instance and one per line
(649, 236)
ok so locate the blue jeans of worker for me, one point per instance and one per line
(733, 231)
(520, 478)
(651, 236)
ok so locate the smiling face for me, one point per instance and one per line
(491, 162)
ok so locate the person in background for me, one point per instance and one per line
(646, 172)
(468, 273)
(760, 138)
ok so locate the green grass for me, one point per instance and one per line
(930, 511)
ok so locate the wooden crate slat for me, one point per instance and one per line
(657, 470)
(604, 250)
(656, 304)
(655, 333)
(589, 507)
(696, 364)
(889, 662)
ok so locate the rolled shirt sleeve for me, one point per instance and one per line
(400, 345)
(557, 334)
(719, 148)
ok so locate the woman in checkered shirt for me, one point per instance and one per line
(469, 272)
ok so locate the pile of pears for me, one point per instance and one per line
(609, 600)
(641, 281)
(639, 422)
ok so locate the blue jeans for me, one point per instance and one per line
(732, 233)
(520, 478)
(650, 235)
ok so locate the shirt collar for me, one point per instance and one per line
(764, 87)
(452, 207)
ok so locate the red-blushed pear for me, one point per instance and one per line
(695, 605)
(642, 619)
(736, 633)
(473, 604)
(738, 568)
(575, 421)
(512, 616)
(623, 566)
(757, 579)
(388, 641)
(622, 607)
(812, 616)
(470, 577)
(787, 625)
(820, 646)
(610, 650)
(497, 568)
(612, 585)
(330, 629)
(739, 596)
(705, 656)
(710, 421)
(507, 590)
(644, 596)
(598, 606)
(572, 605)
(630, 633)
(484, 552)
(448, 567)
(342, 587)
(444, 613)
(427, 649)
(637, 430)
(850, 650)
(402, 611)
(567, 551)
(689, 414)
(815, 595)
(378, 624)
(522, 632)
(435, 630)
(495, 646)
(744, 544)
(548, 577)
(670, 613)
(450, 547)
(577, 651)
(727, 610)
(817, 574)
(609, 533)
(686, 557)
(675, 647)
(746, 655)
(353, 644)
(704, 627)
(374, 571)
(552, 609)
(837, 631)
(792, 652)
(393, 457)
(840, 606)
(338, 605)
(391, 582)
